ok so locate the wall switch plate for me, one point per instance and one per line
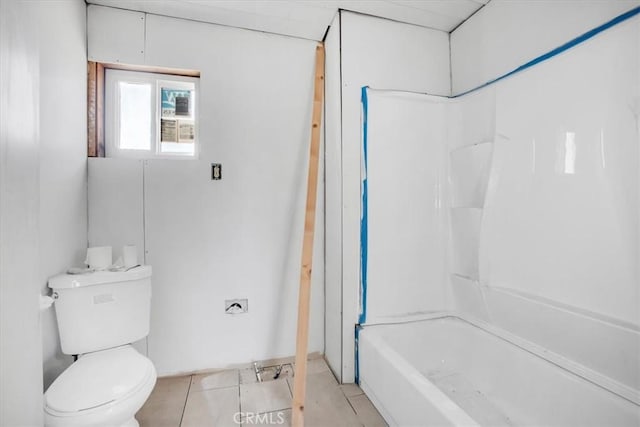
(236, 306)
(216, 171)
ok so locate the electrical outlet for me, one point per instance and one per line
(236, 306)
(216, 171)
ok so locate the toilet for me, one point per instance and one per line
(99, 315)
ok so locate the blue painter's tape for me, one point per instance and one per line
(568, 45)
(364, 232)
(357, 333)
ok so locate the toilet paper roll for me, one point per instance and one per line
(130, 255)
(99, 257)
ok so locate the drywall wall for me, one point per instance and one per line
(20, 347)
(505, 34)
(125, 45)
(381, 54)
(43, 189)
(405, 211)
(116, 209)
(63, 156)
(240, 237)
(116, 203)
(333, 202)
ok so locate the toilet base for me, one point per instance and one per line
(131, 423)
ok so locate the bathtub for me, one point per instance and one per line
(451, 371)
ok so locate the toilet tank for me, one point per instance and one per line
(101, 310)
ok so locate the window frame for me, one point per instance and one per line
(96, 101)
(112, 79)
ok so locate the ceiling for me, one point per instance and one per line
(307, 19)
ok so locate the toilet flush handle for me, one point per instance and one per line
(47, 301)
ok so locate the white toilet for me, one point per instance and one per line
(99, 314)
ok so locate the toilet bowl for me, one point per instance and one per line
(104, 388)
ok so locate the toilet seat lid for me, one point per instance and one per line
(96, 379)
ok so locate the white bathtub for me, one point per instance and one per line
(448, 371)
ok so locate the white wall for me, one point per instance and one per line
(42, 189)
(333, 201)
(240, 237)
(125, 45)
(116, 204)
(505, 34)
(387, 55)
(20, 341)
(63, 155)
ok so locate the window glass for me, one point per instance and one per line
(177, 124)
(135, 116)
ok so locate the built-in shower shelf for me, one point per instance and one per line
(470, 167)
(465, 236)
(462, 147)
(467, 207)
(469, 173)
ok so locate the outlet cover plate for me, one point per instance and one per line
(236, 306)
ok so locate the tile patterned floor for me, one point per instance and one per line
(234, 398)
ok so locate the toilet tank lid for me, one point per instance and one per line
(68, 281)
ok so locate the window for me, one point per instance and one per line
(149, 115)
